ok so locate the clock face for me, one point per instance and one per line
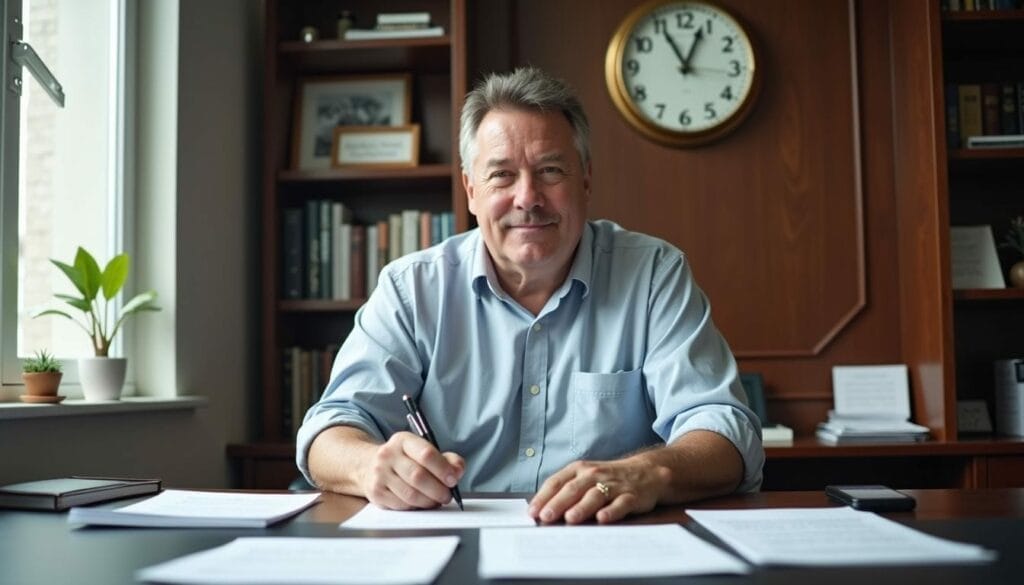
(683, 73)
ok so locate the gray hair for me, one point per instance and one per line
(526, 88)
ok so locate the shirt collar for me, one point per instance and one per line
(483, 273)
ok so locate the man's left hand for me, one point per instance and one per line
(605, 490)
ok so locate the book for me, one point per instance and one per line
(357, 266)
(969, 106)
(312, 233)
(196, 509)
(372, 258)
(1009, 120)
(953, 141)
(393, 18)
(326, 252)
(1009, 396)
(972, 251)
(1003, 141)
(872, 405)
(292, 254)
(410, 231)
(991, 97)
(63, 493)
(358, 34)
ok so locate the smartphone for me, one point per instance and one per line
(875, 498)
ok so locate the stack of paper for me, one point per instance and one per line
(174, 508)
(872, 405)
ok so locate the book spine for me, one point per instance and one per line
(287, 428)
(312, 250)
(336, 222)
(345, 265)
(421, 18)
(410, 231)
(358, 263)
(435, 228)
(425, 223)
(291, 257)
(990, 110)
(394, 236)
(326, 252)
(952, 118)
(970, 111)
(1009, 120)
(372, 258)
(296, 369)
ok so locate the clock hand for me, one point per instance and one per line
(684, 64)
(693, 46)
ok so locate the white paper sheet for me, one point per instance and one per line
(335, 561)
(830, 536)
(862, 391)
(479, 513)
(196, 509)
(600, 551)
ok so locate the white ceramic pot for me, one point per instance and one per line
(102, 378)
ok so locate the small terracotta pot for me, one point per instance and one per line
(41, 383)
(1017, 275)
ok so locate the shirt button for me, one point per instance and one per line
(537, 327)
(530, 452)
(535, 389)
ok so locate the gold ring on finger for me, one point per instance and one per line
(604, 489)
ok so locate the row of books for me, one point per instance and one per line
(327, 256)
(980, 115)
(304, 375)
(397, 25)
(969, 5)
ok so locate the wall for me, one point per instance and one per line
(197, 238)
(790, 221)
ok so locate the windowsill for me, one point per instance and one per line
(79, 407)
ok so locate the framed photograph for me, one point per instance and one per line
(325, 103)
(376, 146)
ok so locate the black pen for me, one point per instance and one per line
(419, 424)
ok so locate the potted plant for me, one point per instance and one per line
(41, 374)
(1014, 240)
(102, 377)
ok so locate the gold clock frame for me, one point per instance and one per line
(620, 94)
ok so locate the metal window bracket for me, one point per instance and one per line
(24, 55)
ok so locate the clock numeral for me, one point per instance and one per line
(684, 19)
(639, 93)
(707, 27)
(709, 111)
(644, 44)
(726, 93)
(734, 68)
(660, 25)
(661, 110)
(633, 66)
(727, 43)
(684, 118)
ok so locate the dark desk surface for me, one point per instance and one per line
(40, 547)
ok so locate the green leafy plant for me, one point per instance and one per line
(1014, 238)
(41, 362)
(98, 288)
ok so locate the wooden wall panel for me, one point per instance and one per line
(789, 222)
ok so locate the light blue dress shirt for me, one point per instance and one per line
(623, 356)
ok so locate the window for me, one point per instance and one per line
(62, 169)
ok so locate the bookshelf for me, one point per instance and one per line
(984, 186)
(437, 69)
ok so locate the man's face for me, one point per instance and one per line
(529, 191)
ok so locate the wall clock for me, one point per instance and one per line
(683, 73)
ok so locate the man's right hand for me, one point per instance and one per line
(407, 472)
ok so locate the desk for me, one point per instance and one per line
(40, 547)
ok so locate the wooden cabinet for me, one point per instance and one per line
(437, 69)
(985, 186)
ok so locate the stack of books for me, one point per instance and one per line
(397, 25)
(839, 429)
(872, 405)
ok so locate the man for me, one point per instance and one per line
(553, 355)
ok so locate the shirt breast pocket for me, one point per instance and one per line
(609, 414)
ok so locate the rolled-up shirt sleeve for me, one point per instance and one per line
(691, 375)
(376, 365)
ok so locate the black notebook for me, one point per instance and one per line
(63, 493)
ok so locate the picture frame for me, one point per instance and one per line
(376, 146)
(322, 104)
